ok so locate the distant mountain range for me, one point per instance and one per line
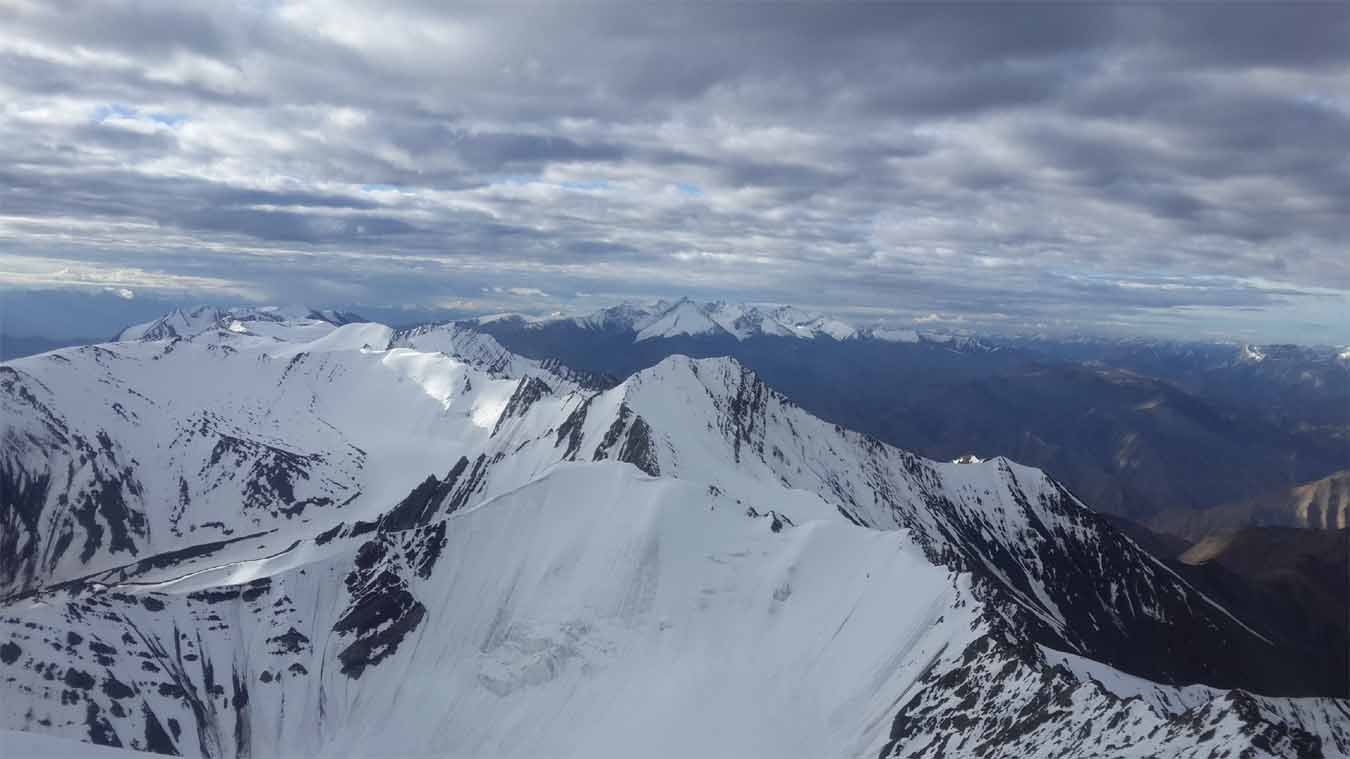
(209, 319)
(665, 319)
(1137, 427)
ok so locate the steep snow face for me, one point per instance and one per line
(483, 352)
(581, 615)
(683, 318)
(476, 348)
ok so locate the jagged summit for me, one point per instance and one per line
(374, 542)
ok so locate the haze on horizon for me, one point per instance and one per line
(1132, 169)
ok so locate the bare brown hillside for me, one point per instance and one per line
(1323, 503)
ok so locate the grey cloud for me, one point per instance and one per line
(166, 200)
(498, 151)
(1251, 33)
(284, 226)
(135, 145)
(154, 29)
(966, 159)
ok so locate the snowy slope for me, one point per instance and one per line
(130, 449)
(483, 352)
(582, 615)
(373, 542)
(559, 605)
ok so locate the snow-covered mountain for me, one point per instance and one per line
(352, 541)
(294, 322)
(483, 352)
(665, 319)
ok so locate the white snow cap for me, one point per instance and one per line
(685, 317)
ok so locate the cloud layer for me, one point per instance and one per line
(1023, 167)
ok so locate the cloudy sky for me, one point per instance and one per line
(1152, 169)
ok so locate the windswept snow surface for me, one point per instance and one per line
(376, 543)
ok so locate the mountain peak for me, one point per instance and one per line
(684, 317)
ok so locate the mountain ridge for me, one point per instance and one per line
(685, 317)
(689, 500)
